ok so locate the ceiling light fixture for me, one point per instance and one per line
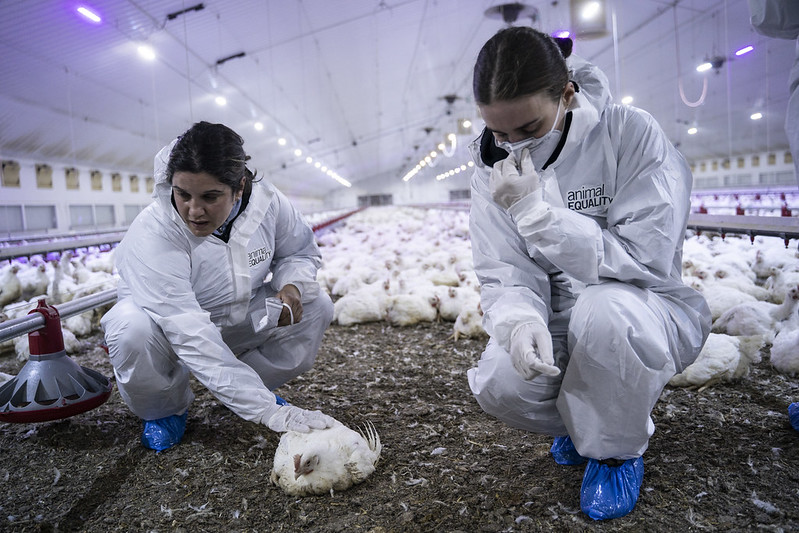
(756, 116)
(259, 126)
(465, 126)
(228, 58)
(715, 63)
(590, 10)
(588, 20)
(146, 52)
(692, 130)
(627, 100)
(323, 168)
(456, 170)
(744, 50)
(221, 101)
(511, 12)
(176, 14)
(89, 14)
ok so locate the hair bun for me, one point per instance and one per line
(565, 44)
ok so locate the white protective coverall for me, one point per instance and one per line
(189, 304)
(780, 19)
(595, 252)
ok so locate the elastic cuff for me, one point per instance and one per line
(528, 205)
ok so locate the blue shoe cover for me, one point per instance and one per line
(163, 433)
(565, 453)
(611, 491)
(280, 401)
(793, 414)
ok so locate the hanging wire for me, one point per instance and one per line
(701, 100)
(617, 62)
(453, 145)
(71, 116)
(729, 87)
(155, 106)
(188, 73)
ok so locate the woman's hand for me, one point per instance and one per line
(292, 306)
(510, 183)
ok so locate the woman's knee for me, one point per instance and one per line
(323, 309)
(127, 328)
(621, 319)
(503, 394)
(609, 308)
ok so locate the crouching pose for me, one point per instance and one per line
(195, 298)
(578, 215)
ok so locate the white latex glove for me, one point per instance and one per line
(291, 418)
(510, 184)
(531, 350)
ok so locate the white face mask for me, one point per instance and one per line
(540, 148)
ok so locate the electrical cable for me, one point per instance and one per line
(701, 100)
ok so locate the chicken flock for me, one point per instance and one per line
(406, 265)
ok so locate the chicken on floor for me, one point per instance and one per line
(325, 460)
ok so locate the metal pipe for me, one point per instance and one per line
(784, 227)
(58, 244)
(32, 322)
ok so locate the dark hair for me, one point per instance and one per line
(214, 149)
(520, 61)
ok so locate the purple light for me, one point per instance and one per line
(89, 14)
(745, 50)
(561, 34)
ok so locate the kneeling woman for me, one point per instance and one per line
(194, 295)
(579, 209)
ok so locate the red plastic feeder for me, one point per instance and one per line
(51, 386)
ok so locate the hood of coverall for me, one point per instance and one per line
(590, 100)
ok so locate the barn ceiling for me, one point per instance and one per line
(366, 88)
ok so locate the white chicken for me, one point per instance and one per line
(34, 281)
(785, 351)
(757, 318)
(10, 286)
(81, 325)
(454, 300)
(469, 323)
(367, 304)
(728, 277)
(723, 358)
(410, 309)
(769, 260)
(780, 282)
(785, 347)
(719, 299)
(325, 460)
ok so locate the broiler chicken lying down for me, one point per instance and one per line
(325, 460)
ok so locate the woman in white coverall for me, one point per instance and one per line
(192, 295)
(578, 215)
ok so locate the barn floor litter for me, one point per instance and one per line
(724, 458)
